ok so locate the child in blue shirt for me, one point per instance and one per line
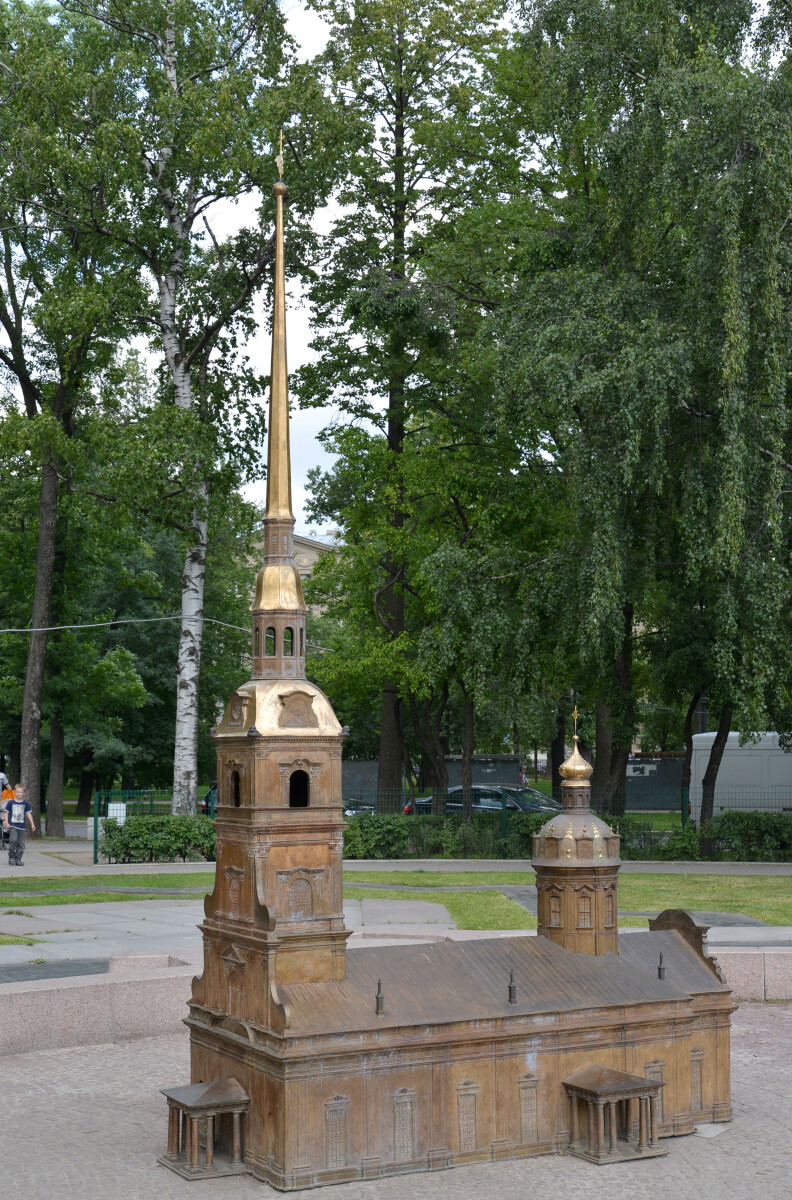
(16, 812)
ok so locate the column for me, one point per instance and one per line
(194, 1155)
(653, 1138)
(642, 1125)
(600, 1128)
(237, 1139)
(592, 1133)
(614, 1137)
(209, 1140)
(574, 1132)
(173, 1132)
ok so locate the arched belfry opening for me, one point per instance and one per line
(299, 790)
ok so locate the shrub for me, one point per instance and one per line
(750, 836)
(683, 845)
(638, 838)
(380, 835)
(157, 839)
(392, 835)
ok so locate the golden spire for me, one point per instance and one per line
(279, 502)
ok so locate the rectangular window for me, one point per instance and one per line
(609, 910)
(584, 912)
(555, 911)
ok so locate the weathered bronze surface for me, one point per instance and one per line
(613, 1115)
(386, 1060)
(576, 859)
(194, 1113)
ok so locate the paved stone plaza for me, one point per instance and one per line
(93, 1122)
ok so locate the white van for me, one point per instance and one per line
(755, 777)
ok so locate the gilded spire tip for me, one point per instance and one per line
(279, 157)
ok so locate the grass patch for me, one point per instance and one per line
(469, 910)
(46, 883)
(438, 879)
(81, 898)
(766, 897)
(8, 939)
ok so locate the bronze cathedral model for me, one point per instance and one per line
(315, 1064)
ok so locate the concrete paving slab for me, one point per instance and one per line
(405, 912)
(750, 935)
(102, 1123)
(52, 969)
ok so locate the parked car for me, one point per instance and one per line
(209, 802)
(489, 798)
(353, 808)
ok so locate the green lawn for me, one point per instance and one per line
(469, 910)
(44, 883)
(77, 898)
(435, 879)
(6, 939)
(766, 897)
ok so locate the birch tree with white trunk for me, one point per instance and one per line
(196, 138)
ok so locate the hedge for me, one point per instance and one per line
(157, 839)
(738, 836)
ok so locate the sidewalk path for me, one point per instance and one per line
(96, 1123)
(44, 858)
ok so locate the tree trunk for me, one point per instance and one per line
(558, 749)
(467, 756)
(391, 750)
(615, 795)
(188, 672)
(30, 756)
(713, 766)
(55, 826)
(688, 759)
(616, 790)
(427, 731)
(85, 797)
(602, 754)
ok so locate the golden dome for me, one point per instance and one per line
(575, 768)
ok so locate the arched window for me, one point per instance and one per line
(299, 790)
(288, 641)
(302, 641)
(235, 788)
(257, 641)
(269, 642)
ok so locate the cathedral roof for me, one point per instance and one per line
(442, 983)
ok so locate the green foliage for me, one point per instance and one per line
(750, 836)
(386, 835)
(157, 839)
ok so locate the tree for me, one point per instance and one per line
(405, 77)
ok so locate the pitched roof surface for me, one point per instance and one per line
(682, 963)
(466, 981)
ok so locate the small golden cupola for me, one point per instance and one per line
(576, 859)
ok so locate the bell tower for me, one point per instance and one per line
(576, 859)
(276, 912)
